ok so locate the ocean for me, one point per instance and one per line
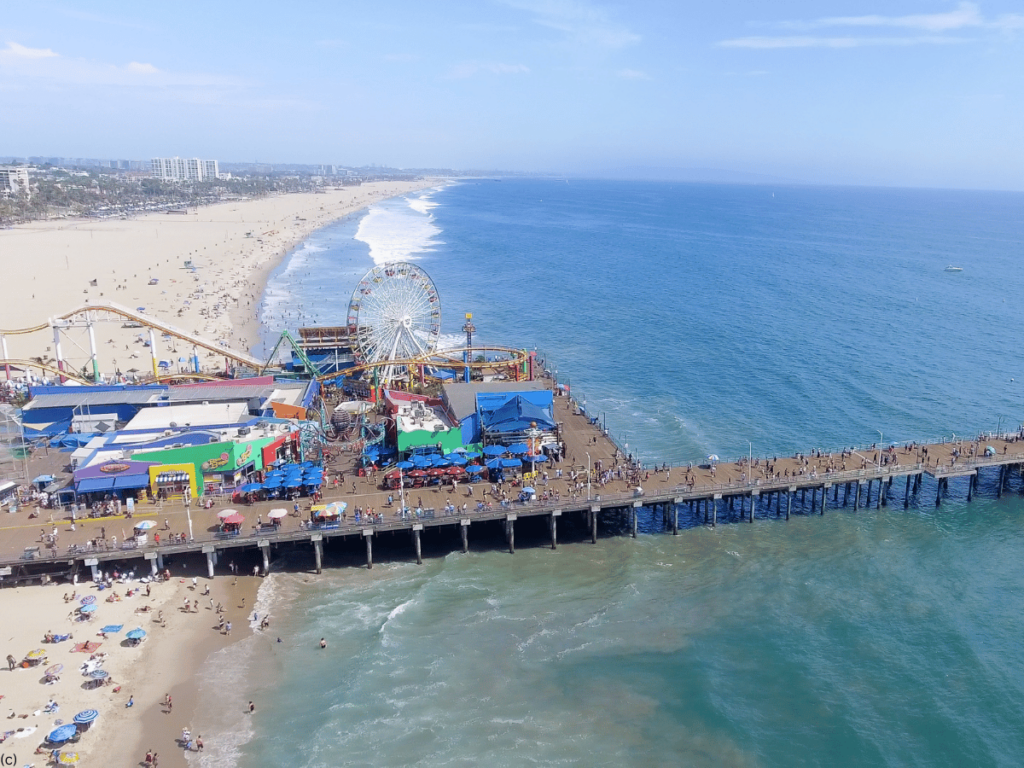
(692, 319)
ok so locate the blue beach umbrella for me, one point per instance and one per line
(420, 461)
(509, 463)
(453, 456)
(112, 629)
(439, 461)
(529, 490)
(86, 716)
(99, 674)
(88, 608)
(315, 481)
(62, 734)
(88, 600)
(277, 482)
(306, 464)
(250, 487)
(405, 465)
(293, 483)
(494, 450)
(136, 634)
(472, 454)
(476, 469)
(536, 459)
(519, 448)
(494, 464)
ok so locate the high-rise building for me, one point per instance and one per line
(13, 181)
(183, 169)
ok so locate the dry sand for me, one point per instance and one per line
(49, 267)
(164, 662)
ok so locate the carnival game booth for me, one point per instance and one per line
(327, 515)
(174, 482)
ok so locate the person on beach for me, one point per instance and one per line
(227, 628)
(199, 743)
(323, 643)
(131, 702)
(252, 707)
(11, 662)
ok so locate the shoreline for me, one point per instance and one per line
(202, 272)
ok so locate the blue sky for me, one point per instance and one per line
(904, 92)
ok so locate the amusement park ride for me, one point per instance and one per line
(392, 331)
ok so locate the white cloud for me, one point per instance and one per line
(146, 69)
(580, 21)
(966, 15)
(24, 52)
(633, 74)
(470, 68)
(936, 28)
(767, 43)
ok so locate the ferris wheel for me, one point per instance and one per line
(394, 314)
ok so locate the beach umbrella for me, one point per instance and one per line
(471, 454)
(277, 514)
(88, 600)
(38, 653)
(453, 456)
(519, 448)
(225, 513)
(111, 629)
(277, 482)
(439, 461)
(62, 734)
(145, 525)
(455, 471)
(476, 469)
(136, 634)
(393, 475)
(99, 674)
(68, 758)
(494, 450)
(314, 481)
(405, 465)
(459, 461)
(86, 716)
(435, 472)
(43, 479)
(56, 669)
(417, 473)
(250, 487)
(294, 482)
(713, 457)
(235, 519)
(420, 461)
(494, 464)
(306, 464)
(510, 463)
(529, 490)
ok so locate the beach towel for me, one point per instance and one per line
(86, 647)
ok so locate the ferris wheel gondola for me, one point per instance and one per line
(394, 314)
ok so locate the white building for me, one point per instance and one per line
(13, 180)
(184, 169)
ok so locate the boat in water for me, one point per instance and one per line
(951, 268)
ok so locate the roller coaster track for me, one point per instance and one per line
(150, 322)
(69, 374)
(439, 359)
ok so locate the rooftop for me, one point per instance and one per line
(461, 396)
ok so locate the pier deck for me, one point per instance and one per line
(853, 480)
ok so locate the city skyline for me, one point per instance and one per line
(909, 93)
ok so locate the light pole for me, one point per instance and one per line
(588, 475)
(880, 438)
(999, 425)
(188, 512)
(750, 462)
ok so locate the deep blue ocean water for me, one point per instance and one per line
(692, 319)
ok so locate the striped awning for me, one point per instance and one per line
(172, 477)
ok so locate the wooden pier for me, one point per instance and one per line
(774, 487)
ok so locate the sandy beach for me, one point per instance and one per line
(54, 267)
(164, 663)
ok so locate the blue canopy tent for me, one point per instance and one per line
(516, 415)
(510, 463)
(495, 450)
(494, 463)
(517, 449)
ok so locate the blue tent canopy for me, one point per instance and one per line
(509, 463)
(494, 450)
(494, 464)
(516, 415)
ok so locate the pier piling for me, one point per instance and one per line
(464, 530)
(593, 524)
(789, 500)
(416, 529)
(553, 523)
(368, 535)
(510, 531)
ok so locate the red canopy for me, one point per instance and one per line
(416, 473)
(393, 475)
(435, 472)
(234, 519)
(455, 471)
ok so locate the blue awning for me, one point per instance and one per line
(131, 481)
(94, 484)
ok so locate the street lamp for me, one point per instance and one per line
(750, 462)
(188, 512)
(588, 475)
(880, 439)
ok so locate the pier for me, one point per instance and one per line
(735, 491)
